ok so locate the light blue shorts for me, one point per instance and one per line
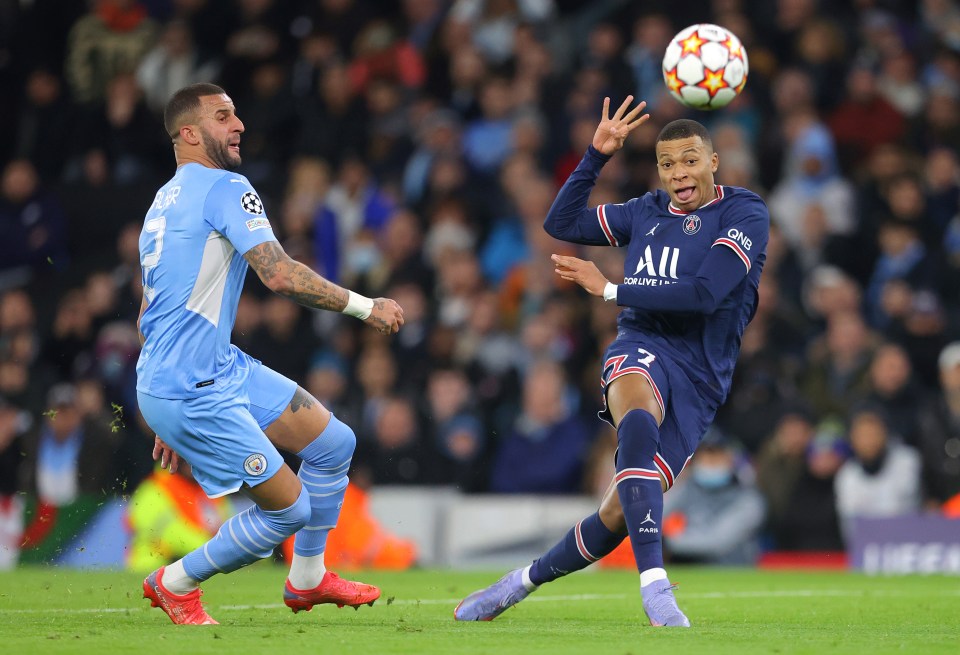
(220, 433)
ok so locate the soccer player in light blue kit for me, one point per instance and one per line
(694, 252)
(210, 403)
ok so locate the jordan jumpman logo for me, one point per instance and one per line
(649, 519)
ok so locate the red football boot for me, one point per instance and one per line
(182, 610)
(332, 589)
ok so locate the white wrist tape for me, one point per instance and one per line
(358, 306)
(610, 291)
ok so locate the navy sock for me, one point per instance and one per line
(587, 541)
(638, 485)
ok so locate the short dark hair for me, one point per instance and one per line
(684, 128)
(186, 101)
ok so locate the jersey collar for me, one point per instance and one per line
(676, 212)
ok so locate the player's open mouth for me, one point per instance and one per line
(684, 194)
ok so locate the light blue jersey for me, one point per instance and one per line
(194, 237)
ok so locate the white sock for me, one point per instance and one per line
(527, 582)
(306, 571)
(176, 581)
(652, 575)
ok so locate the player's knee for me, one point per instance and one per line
(638, 437)
(290, 519)
(333, 448)
(343, 441)
(301, 510)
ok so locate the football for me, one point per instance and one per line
(705, 66)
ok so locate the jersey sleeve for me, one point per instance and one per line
(745, 229)
(569, 218)
(614, 220)
(234, 209)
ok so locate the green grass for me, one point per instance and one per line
(50, 610)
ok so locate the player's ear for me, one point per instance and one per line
(714, 162)
(190, 134)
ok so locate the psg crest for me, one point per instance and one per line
(691, 224)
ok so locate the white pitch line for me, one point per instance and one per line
(712, 595)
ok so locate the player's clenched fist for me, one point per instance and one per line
(386, 316)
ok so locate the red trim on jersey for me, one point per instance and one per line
(676, 212)
(602, 217)
(584, 553)
(730, 243)
(617, 372)
(664, 469)
(632, 474)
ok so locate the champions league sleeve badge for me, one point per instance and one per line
(251, 203)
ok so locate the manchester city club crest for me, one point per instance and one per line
(255, 464)
(691, 224)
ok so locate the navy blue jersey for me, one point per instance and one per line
(690, 279)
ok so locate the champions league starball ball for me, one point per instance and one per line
(705, 66)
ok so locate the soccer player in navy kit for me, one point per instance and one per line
(692, 267)
(214, 405)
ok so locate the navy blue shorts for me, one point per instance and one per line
(686, 413)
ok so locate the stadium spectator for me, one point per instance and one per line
(111, 39)
(781, 462)
(864, 119)
(173, 63)
(396, 452)
(902, 269)
(812, 202)
(14, 422)
(46, 122)
(455, 429)
(333, 120)
(33, 226)
(283, 337)
(837, 364)
(69, 345)
(716, 515)
(120, 134)
(893, 386)
(346, 227)
(68, 456)
(939, 431)
(547, 447)
(810, 512)
(882, 478)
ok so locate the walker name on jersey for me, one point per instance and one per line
(656, 270)
(164, 199)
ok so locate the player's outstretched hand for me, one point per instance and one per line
(613, 131)
(583, 272)
(386, 317)
(166, 455)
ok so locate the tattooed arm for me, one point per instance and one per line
(290, 278)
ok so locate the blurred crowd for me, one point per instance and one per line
(411, 150)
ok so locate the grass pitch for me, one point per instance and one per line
(50, 610)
